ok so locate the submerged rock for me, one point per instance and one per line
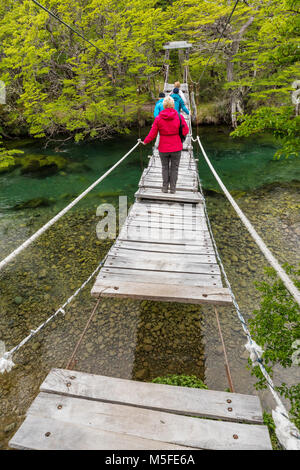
(78, 167)
(42, 165)
(33, 203)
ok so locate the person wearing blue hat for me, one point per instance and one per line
(159, 105)
(179, 104)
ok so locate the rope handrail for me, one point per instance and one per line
(259, 241)
(51, 222)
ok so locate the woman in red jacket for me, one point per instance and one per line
(167, 124)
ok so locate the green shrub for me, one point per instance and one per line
(181, 381)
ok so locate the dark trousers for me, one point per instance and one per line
(169, 165)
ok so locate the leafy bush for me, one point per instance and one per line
(276, 328)
(181, 381)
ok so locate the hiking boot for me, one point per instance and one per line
(172, 191)
(164, 189)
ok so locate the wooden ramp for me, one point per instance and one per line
(164, 251)
(79, 411)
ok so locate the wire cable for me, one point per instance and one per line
(68, 26)
(217, 44)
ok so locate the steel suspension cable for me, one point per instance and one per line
(68, 26)
(217, 44)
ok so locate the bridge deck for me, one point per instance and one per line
(79, 411)
(164, 250)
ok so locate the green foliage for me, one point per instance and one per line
(268, 421)
(281, 121)
(268, 65)
(57, 84)
(7, 160)
(276, 328)
(181, 381)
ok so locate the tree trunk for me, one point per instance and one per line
(236, 98)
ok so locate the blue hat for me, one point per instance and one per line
(176, 90)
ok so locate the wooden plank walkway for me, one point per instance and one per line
(164, 251)
(79, 411)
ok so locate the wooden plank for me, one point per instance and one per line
(188, 256)
(190, 219)
(161, 235)
(156, 177)
(151, 425)
(164, 248)
(169, 205)
(143, 276)
(162, 292)
(167, 224)
(179, 186)
(149, 225)
(157, 238)
(174, 209)
(178, 259)
(183, 196)
(186, 166)
(162, 263)
(189, 210)
(170, 213)
(168, 398)
(177, 45)
(186, 219)
(33, 435)
(156, 173)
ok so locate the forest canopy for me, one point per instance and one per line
(59, 85)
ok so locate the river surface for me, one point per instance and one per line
(137, 340)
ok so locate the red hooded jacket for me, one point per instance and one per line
(167, 124)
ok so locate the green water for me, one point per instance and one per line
(243, 164)
(138, 340)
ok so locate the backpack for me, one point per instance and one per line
(182, 137)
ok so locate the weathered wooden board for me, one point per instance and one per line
(156, 237)
(162, 292)
(190, 210)
(188, 259)
(168, 398)
(165, 248)
(149, 223)
(156, 211)
(155, 174)
(144, 254)
(159, 277)
(177, 45)
(163, 262)
(158, 185)
(187, 166)
(153, 193)
(168, 205)
(50, 434)
(174, 223)
(161, 235)
(151, 425)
